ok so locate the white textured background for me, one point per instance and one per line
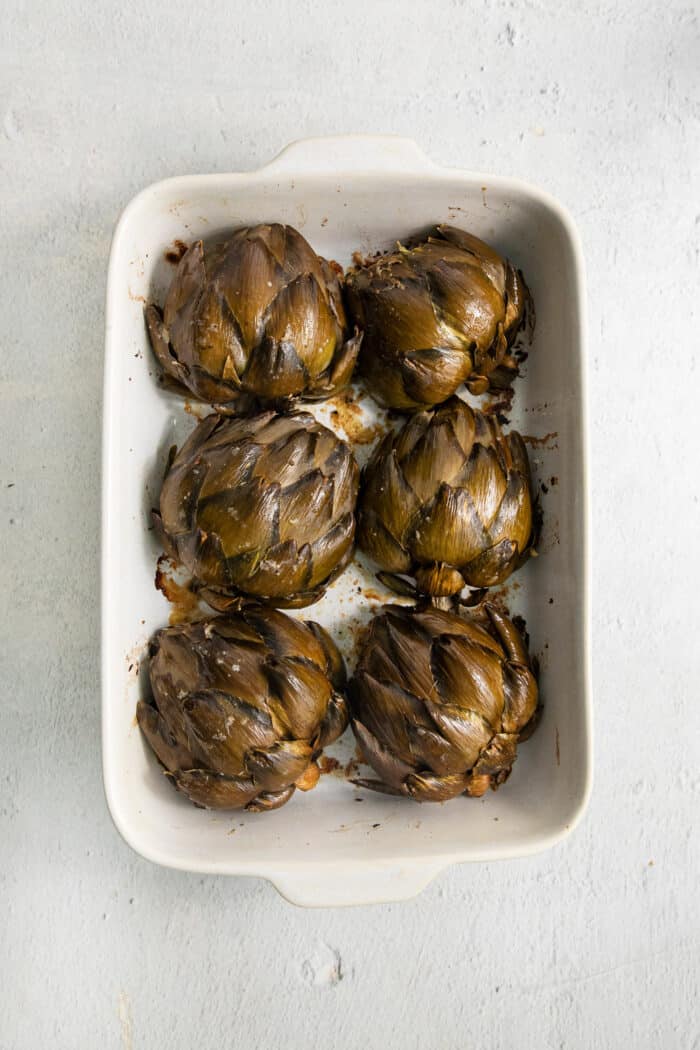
(592, 945)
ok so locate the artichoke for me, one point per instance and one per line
(259, 317)
(434, 316)
(447, 501)
(242, 706)
(261, 507)
(438, 704)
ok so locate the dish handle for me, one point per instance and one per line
(340, 154)
(346, 886)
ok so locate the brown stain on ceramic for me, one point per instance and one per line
(504, 592)
(352, 766)
(548, 442)
(372, 595)
(174, 254)
(556, 746)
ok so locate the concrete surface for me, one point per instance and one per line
(593, 945)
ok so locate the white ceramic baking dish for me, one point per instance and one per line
(337, 844)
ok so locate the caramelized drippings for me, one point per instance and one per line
(348, 415)
(184, 601)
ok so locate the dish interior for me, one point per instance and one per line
(339, 825)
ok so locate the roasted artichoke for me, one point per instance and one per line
(257, 318)
(434, 316)
(447, 501)
(261, 507)
(242, 706)
(438, 704)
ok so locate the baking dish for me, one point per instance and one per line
(339, 844)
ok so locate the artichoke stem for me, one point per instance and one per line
(443, 602)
